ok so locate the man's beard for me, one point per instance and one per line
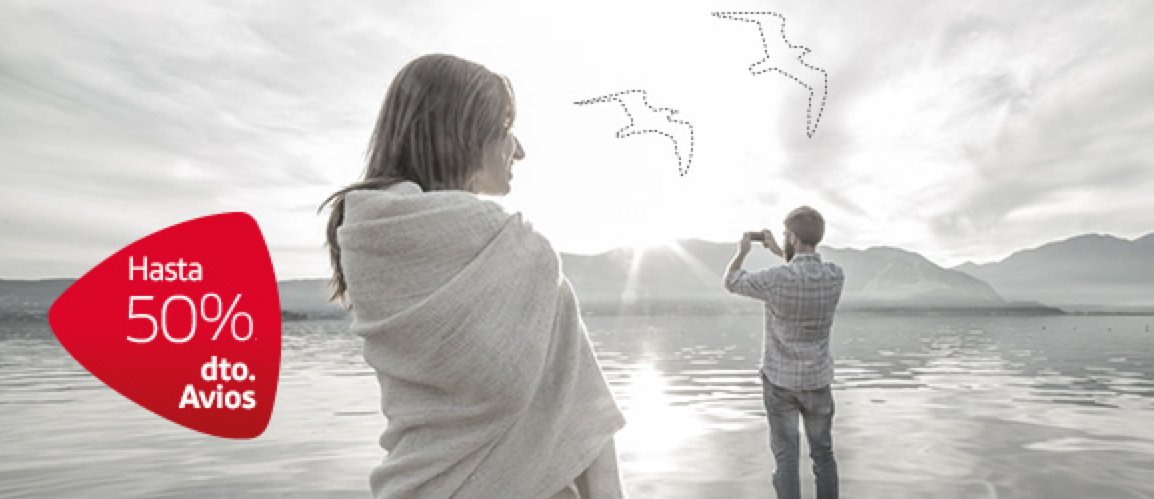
(789, 250)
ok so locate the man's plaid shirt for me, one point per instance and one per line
(800, 298)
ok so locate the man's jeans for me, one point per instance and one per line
(782, 407)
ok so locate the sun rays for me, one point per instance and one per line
(634, 287)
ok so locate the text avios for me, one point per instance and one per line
(216, 399)
(179, 270)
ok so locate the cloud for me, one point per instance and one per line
(1062, 118)
(120, 118)
(962, 131)
(946, 122)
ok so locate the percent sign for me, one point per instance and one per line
(222, 317)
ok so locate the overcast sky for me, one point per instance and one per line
(960, 130)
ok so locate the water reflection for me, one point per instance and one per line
(943, 407)
(658, 429)
(931, 406)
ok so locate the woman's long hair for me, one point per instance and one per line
(439, 113)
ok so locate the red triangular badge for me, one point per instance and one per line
(144, 321)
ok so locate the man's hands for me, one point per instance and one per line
(770, 243)
(746, 242)
(767, 240)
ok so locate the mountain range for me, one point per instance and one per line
(1089, 272)
(689, 276)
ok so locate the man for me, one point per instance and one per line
(796, 367)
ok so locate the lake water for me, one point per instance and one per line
(942, 407)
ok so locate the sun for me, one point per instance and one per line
(651, 233)
(645, 245)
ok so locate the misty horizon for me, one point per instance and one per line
(1088, 272)
(669, 245)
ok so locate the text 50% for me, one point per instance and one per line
(210, 300)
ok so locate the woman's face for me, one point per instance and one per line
(497, 166)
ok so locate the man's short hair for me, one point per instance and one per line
(806, 224)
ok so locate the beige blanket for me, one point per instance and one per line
(488, 381)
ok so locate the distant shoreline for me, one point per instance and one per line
(303, 300)
(601, 310)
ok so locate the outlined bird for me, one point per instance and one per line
(787, 59)
(644, 118)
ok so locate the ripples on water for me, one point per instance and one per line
(926, 407)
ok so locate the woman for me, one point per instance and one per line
(487, 377)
